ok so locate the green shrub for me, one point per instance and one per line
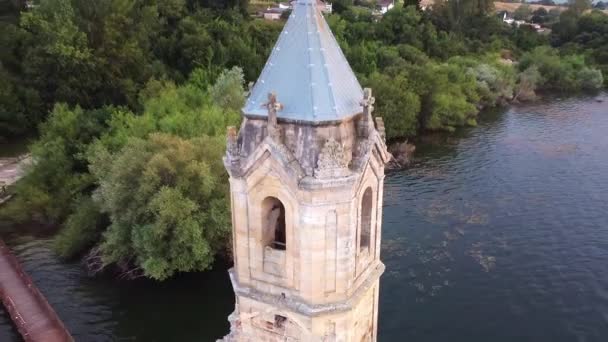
(590, 79)
(81, 230)
(59, 171)
(561, 73)
(397, 104)
(167, 200)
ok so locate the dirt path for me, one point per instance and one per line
(11, 170)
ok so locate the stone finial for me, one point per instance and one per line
(332, 161)
(368, 102)
(273, 106)
(366, 124)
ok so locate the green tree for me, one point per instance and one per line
(396, 104)
(401, 26)
(415, 3)
(561, 73)
(448, 95)
(58, 62)
(590, 79)
(528, 82)
(523, 12)
(59, 173)
(12, 117)
(341, 5)
(81, 230)
(186, 111)
(495, 84)
(121, 35)
(453, 14)
(227, 92)
(567, 26)
(167, 201)
(579, 6)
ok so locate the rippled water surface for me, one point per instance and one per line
(497, 233)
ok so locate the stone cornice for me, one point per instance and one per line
(302, 307)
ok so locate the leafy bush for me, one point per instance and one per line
(528, 82)
(449, 94)
(167, 201)
(187, 111)
(59, 172)
(81, 230)
(396, 103)
(495, 83)
(590, 79)
(565, 74)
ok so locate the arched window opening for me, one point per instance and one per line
(366, 219)
(274, 223)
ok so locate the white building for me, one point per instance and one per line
(284, 5)
(385, 5)
(273, 13)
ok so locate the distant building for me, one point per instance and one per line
(518, 23)
(273, 13)
(424, 4)
(326, 7)
(285, 5)
(385, 5)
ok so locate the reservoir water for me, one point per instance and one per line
(495, 233)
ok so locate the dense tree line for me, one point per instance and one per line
(103, 52)
(130, 99)
(434, 69)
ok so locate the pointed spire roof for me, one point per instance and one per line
(308, 72)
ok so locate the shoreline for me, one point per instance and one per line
(405, 147)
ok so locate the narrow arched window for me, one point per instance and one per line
(273, 223)
(366, 219)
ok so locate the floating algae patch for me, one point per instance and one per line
(435, 290)
(477, 218)
(450, 236)
(438, 210)
(411, 273)
(487, 262)
(473, 213)
(433, 173)
(502, 243)
(503, 200)
(396, 246)
(433, 266)
(443, 210)
(551, 151)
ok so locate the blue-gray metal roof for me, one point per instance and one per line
(308, 72)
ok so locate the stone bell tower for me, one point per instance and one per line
(306, 179)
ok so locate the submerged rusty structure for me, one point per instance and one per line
(33, 316)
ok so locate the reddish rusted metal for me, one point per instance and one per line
(32, 314)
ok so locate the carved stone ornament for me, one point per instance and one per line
(332, 161)
(273, 106)
(362, 150)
